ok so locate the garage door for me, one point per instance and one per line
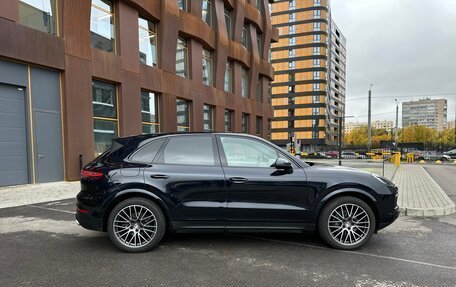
(13, 137)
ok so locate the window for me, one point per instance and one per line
(188, 150)
(38, 14)
(292, 4)
(245, 123)
(269, 55)
(292, 29)
(291, 53)
(181, 58)
(317, 26)
(228, 76)
(316, 50)
(291, 89)
(147, 42)
(245, 36)
(317, 13)
(259, 126)
(244, 83)
(259, 91)
(316, 87)
(183, 115)
(317, 2)
(315, 111)
(316, 75)
(207, 67)
(228, 22)
(102, 25)
(228, 120)
(147, 153)
(292, 41)
(260, 45)
(207, 12)
(317, 38)
(292, 64)
(315, 123)
(316, 62)
(292, 17)
(182, 4)
(104, 101)
(149, 113)
(208, 114)
(315, 99)
(291, 77)
(244, 152)
(315, 134)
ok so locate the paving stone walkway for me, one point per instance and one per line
(419, 194)
(34, 193)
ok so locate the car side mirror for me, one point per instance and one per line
(282, 163)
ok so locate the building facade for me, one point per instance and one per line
(425, 112)
(308, 92)
(384, 125)
(75, 74)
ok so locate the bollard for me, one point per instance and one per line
(422, 161)
(438, 162)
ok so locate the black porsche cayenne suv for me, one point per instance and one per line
(145, 185)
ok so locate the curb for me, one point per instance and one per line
(428, 212)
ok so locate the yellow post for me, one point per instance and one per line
(397, 159)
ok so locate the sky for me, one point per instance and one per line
(405, 48)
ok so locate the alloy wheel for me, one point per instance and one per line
(349, 224)
(135, 226)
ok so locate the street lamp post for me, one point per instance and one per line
(340, 136)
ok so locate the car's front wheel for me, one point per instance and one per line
(346, 223)
(136, 225)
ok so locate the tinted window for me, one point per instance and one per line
(189, 150)
(246, 152)
(147, 153)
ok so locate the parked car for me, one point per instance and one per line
(332, 154)
(149, 184)
(451, 153)
(352, 155)
(429, 155)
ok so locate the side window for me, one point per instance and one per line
(147, 153)
(244, 152)
(189, 150)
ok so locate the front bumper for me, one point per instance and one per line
(390, 218)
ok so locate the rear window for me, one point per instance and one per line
(147, 153)
(189, 150)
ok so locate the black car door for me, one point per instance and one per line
(188, 173)
(259, 194)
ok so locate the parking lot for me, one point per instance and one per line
(41, 245)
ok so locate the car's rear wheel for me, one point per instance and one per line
(136, 225)
(346, 223)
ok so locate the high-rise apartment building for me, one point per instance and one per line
(76, 74)
(425, 112)
(308, 92)
(384, 125)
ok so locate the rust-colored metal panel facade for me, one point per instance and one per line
(69, 51)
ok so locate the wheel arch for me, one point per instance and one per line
(130, 193)
(355, 192)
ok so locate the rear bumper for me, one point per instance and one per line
(88, 221)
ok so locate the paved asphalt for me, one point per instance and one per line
(445, 176)
(41, 245)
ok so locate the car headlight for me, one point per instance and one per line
(383, 179)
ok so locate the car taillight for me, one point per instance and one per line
(90, 174)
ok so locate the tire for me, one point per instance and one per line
(132, 235)
(343, 232)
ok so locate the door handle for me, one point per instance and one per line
(238, 179)
(159, 176)
(40, 156)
